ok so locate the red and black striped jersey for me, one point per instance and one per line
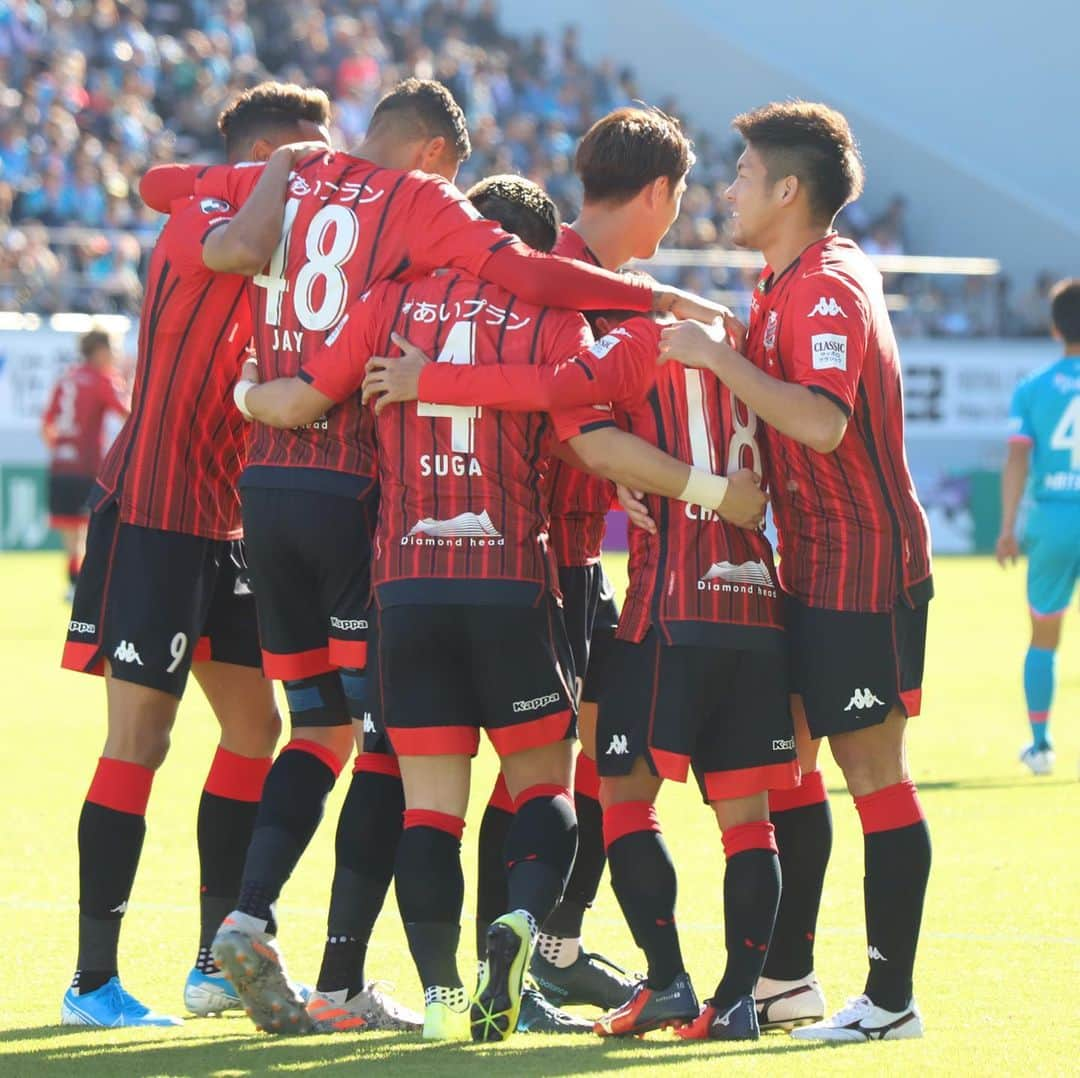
(175, 463)
(699, 580)
(349, 224)
(462, 512)
(852, 534)
(579, 501)
(75, 417)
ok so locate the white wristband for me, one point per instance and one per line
(239, 396)
(704, 489)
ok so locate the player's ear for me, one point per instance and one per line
(261, 149)
(434, 157)
(788, 190)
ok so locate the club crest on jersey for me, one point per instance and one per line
(828, 307)
(829, 351)
(771, 324)
(747, 578)
(214, 205)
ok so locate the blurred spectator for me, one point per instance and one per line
(92, 92)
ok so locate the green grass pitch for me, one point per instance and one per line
(1000, 951)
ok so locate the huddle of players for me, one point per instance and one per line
(465, 631)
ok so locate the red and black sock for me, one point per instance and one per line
(227, 808)
(491, 895)
(803, 824)
(290, 810)
(896, 844)
(751, 895)
(365, 849)
(112, 827)
(74, 565)
(540, 849)
(643, 878)
(584, 882)
(430, 891)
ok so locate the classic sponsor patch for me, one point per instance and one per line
(829, 351)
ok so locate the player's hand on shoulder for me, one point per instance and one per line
(297, 151)
(633, 504)
(682, 304)
(744, 502)
(393, 379)
(1007, 549)
(693, 344)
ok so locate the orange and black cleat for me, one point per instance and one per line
(651, 1008)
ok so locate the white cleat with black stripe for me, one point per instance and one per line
(862, 1020)
(787, 1004)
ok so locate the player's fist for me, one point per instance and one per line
(736, 332)
(393, 379)
(1007, 549)
(682, 304)
(692, 343)
(744, 501)
(297, 151)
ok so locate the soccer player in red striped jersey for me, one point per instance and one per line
(73, 428)
(445, 560)
(163, 591)
(822, 370)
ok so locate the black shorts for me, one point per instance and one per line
(68, 496)
(152, 602)
(445, 672)
(724, 712)
(852, 668)
(310, 560)
(591, 616)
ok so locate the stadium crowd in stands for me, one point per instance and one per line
(92, 92)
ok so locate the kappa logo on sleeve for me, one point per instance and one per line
(829, 351)
(828, 307)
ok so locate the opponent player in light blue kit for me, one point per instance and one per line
(1044, 438)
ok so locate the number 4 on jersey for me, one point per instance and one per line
(459, 347)
(1067, 433)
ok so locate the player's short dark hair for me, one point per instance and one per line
(1065, 309)
(92, 340)
(629, 148)
(811, 141)
(424, 108)
(520, 206)
(267, 108)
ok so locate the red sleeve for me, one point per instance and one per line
(187, 228)
(112, 398)
(337, 369)
(450, 232)
(233, 183)
(164, 184)
(829, 328)
(53, 409)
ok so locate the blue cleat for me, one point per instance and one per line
(739, 1022)
(110, 1007)
(208, 993)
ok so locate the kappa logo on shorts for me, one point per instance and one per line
(783, 744)
(348, 625)
(533, 705)
(125, 653)
(861, 699)
(620, 746)
(369, 724)
(875, 954)
(82, 627)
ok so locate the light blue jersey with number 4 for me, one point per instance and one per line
(1045, 413)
